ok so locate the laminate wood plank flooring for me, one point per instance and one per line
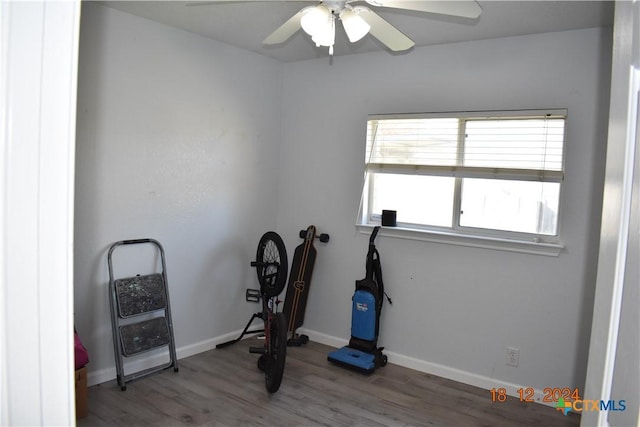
(224, 387)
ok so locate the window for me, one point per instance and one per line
(477, 174)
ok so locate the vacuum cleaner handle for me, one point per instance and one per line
(374, 233)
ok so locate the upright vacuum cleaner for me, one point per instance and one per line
(363, 353)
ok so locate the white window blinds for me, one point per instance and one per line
(522, 145)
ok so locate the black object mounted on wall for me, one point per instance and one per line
(388, 218)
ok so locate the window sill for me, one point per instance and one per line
(534, 248)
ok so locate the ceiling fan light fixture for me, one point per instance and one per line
(325, 36)
(355, 27)
(315, 19)
(320, 23)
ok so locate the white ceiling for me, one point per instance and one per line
(245, 24)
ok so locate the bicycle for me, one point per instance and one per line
(271, 268)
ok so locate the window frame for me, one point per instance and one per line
(541, 244)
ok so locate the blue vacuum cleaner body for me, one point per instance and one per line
(363, 353)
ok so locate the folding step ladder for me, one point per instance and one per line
(140, 315)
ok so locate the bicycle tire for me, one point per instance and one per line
(276, 353)
(271, 251)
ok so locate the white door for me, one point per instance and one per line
(38, 69)
(613, 372)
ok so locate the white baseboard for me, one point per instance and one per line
(487, 383)
(142, 362)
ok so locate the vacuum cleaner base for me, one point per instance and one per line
(351, 358)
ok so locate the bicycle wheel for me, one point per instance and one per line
(276, 353)
(271, 264)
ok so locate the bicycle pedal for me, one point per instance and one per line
(252, 295)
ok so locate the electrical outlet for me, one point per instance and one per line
(513, 354)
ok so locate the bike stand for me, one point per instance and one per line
(252, 295)
(297, 340)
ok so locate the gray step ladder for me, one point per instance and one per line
(140, 316)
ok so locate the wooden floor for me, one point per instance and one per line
(224, 387)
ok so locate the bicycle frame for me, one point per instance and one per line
(269, 307)
(271, 265)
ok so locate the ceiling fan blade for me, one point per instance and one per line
(389, 35)
(212, 2)
(286, 30)
(463, 8)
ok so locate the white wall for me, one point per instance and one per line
(205, 147)
(177, 140)
(455, 309)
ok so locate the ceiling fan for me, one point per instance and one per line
(319, 20)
